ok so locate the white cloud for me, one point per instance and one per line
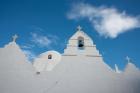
(27, 46)
(30, 55)
(108, 22)
(41, 40)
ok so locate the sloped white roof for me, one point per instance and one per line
(80, 33)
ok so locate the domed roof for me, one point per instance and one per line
(56, 56)
(47, 60)
(49, 52)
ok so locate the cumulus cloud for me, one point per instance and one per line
(43, 41)
(108, 22)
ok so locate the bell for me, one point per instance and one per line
(81, 45)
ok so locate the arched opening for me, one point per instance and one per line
(50, 56)
(81, 43)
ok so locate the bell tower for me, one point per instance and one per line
(81, 44)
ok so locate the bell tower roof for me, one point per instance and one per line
(80, 33)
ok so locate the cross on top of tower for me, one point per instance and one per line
(14, 37)
(79, 28)
(128, 59)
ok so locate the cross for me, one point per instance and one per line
(128, 59)
(14, 37)
(79, 28)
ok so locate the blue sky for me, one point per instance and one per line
(54, 21)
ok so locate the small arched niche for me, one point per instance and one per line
(81, 43)
(49, 56)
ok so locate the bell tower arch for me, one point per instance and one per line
(80, 43)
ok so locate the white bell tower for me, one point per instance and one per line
(81, 44)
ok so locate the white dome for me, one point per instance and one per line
(56, 56)
(47, 61)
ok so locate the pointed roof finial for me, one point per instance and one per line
(128, 59)
(14, 38)
(117, 69)
(79, 28)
